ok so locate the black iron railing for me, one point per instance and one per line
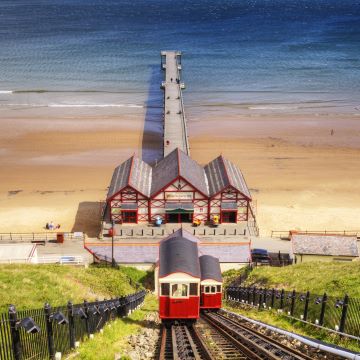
(41, 333)
(338, 314)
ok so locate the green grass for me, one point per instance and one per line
(114, 338)
(334, 278)
(271, 317)
(30, 286)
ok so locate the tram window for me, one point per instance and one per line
(193, 289)
(218, 288)
(179, 290)
(202, 288)
(165, 289)
(213, 289)
(207, 289)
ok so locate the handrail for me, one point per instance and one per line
(279, 233)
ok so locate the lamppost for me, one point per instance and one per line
(112, 244)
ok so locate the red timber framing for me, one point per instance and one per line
(128, 195)
(229, 194)
(178, 185)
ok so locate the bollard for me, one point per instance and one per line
(70, 309)
(15, 335)
(49, 331)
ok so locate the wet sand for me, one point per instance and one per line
(56, 164)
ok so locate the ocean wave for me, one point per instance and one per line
(93, 105)
(6, 91)
(273, 107)
(75, 105)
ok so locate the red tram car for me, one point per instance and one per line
(211, 283)
(179, 279)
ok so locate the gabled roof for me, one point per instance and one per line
(222, 173)
(133, 172)
(176, 164)
(210, 268)
(321, 244)
(178, 254)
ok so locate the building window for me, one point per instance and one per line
(165, 289)
(179, 290)
(129, 217)
(193, 289)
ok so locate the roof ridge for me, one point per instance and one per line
(226, 170)
(178, 160)
(131, 168)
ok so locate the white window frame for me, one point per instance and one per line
(179, 284)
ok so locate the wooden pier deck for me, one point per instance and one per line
(175, 131)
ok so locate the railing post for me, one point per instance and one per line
(248, 295)
(15, 335)
(49, 331)
(272, 297)
(306, 307)
(293, 298)
(260, 297)
(344, 313)
(71, 325)
(86, 310)
(322, 312)
(282, 299)
(254, 295)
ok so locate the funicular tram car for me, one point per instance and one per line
(211, 283)
(179, 280)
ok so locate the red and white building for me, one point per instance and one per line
(178, 190)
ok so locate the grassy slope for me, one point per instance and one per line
(283, 322)
(317, 277)
(114, 338)
(334, 278)
(30, 286)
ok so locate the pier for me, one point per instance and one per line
(175, 131)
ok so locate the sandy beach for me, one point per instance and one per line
(56, 164)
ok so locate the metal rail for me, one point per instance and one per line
(180, 342)
(253, 343)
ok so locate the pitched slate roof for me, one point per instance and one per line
(320, 244)
(178, 254)
(221, 173)
(133, 172)
(210, 268)
(177, 163)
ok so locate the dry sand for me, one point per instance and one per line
(57, 166)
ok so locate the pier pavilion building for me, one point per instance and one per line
(178, 190)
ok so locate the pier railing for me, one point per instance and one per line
(339, 315)
(286, 234)
(48, 333)
(41, 237)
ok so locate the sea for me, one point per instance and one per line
(251, 56)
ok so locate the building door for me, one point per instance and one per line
(228, 216)
(129, 217)
(179, 218)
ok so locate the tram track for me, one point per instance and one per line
(180, 342)
(216, 336)
(255, 344)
